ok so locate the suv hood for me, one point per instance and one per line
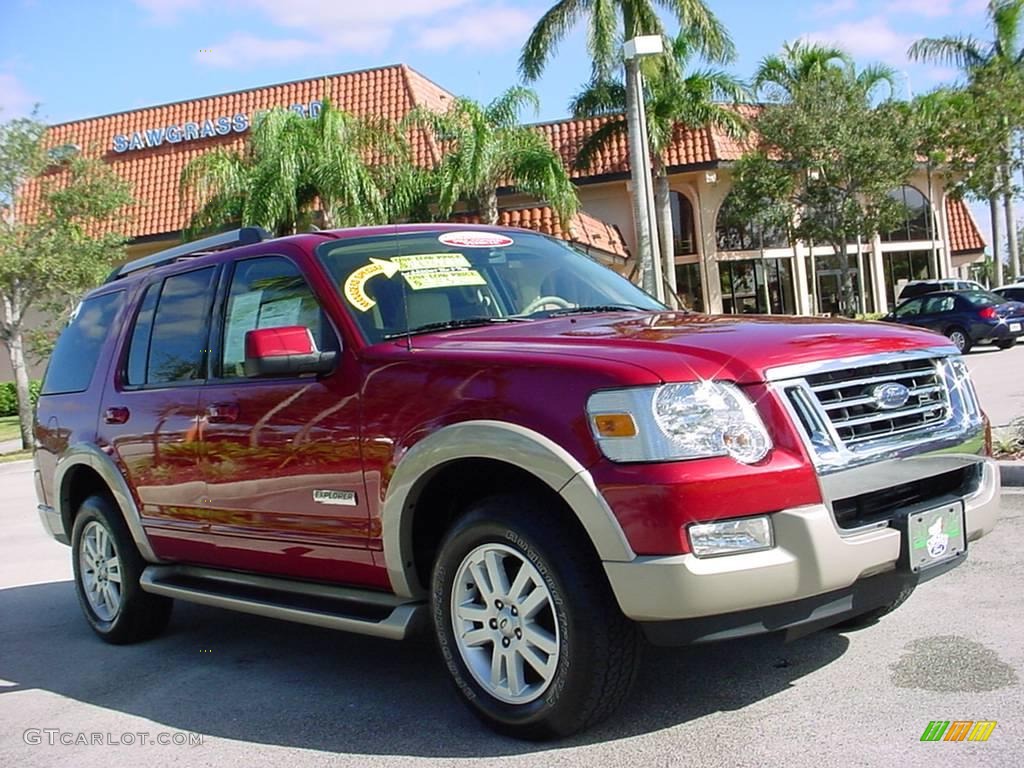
(677, 346)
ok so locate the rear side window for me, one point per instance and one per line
(938, 304)
(169, 340)
(74, 359)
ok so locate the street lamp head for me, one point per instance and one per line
(644, 45)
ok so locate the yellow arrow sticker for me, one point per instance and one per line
(355, 285)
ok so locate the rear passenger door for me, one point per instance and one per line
(149, 416)
(280, 456)
(937, 312)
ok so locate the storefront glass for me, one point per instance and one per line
(757, 286)
(688, 286)
(903, 266)
(831, 298)
(683, 232)
(734, 233)
(917, 225)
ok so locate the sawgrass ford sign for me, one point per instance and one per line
(221, 125)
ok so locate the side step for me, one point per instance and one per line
(321, 605)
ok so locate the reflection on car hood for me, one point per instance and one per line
(678, 346)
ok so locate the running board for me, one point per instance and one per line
(321, 605)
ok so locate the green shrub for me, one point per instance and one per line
(9, 396)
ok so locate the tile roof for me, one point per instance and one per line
(964, 236)
(690, 146)
(389, 92)
(584, 229)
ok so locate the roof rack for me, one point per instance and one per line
(219, 242)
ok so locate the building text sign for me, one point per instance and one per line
(221, 125)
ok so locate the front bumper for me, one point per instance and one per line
(811, 557)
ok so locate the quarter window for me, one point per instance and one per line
(74, 359)
(269, 292)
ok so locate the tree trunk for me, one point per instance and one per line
(1012, 249)
(663, 204)
(489, 212)
(993, 210)
(16, 350)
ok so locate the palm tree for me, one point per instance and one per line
(676, 97)
(290, 164)
(779, 75)
(486, 148)
(1001, 58)
(609, 22)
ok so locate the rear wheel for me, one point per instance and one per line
(1006, 343)
(960, 338)
(527, 624)
(107, 568)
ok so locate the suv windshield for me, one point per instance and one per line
(422, 281)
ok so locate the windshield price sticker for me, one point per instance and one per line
(476, 239)
(442, 278)
(431, 261)
(421, 271)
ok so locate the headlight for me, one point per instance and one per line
(678, 421)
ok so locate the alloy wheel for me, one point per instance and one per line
(504, 621)
(100, 569)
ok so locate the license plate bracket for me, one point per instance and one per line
(932, 536)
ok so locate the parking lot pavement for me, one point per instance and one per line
(998, 376)
(268, 693)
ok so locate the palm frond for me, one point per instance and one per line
(549, 31)
(964, 52)
(602, 97)
(505, 109)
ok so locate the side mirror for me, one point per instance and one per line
(286, 351)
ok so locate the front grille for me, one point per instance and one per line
(848, 399)
(876, 506)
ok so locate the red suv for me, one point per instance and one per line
(484, 433)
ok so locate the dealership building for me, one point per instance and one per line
(723, 264)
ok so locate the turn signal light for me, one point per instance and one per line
(615, 425)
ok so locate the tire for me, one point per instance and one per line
(867, 619)
(1006, 344)
(960, 338)
(585, 652)
(101, 549)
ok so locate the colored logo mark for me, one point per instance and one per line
(958, 730)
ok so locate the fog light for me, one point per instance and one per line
(730, 537)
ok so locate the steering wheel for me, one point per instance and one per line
(540, 301)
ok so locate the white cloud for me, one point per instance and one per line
(15, 100)
(833, 8)
(245, 50)
(476, 30)
(929, 8)
(871, 38)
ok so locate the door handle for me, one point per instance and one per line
(222, 413)
(116, 415)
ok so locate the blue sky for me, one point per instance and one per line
(80, 59)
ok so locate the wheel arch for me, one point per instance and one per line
(85, 469)
(510, 450)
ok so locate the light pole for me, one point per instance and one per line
(644, 219)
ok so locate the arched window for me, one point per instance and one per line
(683, 232)
(917, 224)
(734, 233)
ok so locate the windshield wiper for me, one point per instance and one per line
(596, 308)
(463, 322)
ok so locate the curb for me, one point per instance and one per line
(1011, 473)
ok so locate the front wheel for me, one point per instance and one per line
(527, 624)
(960, 339)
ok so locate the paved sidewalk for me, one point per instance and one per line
(10, 446)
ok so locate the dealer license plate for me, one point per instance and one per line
(935, 535)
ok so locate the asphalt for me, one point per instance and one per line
(266, 693)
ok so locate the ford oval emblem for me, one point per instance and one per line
(890, 395)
